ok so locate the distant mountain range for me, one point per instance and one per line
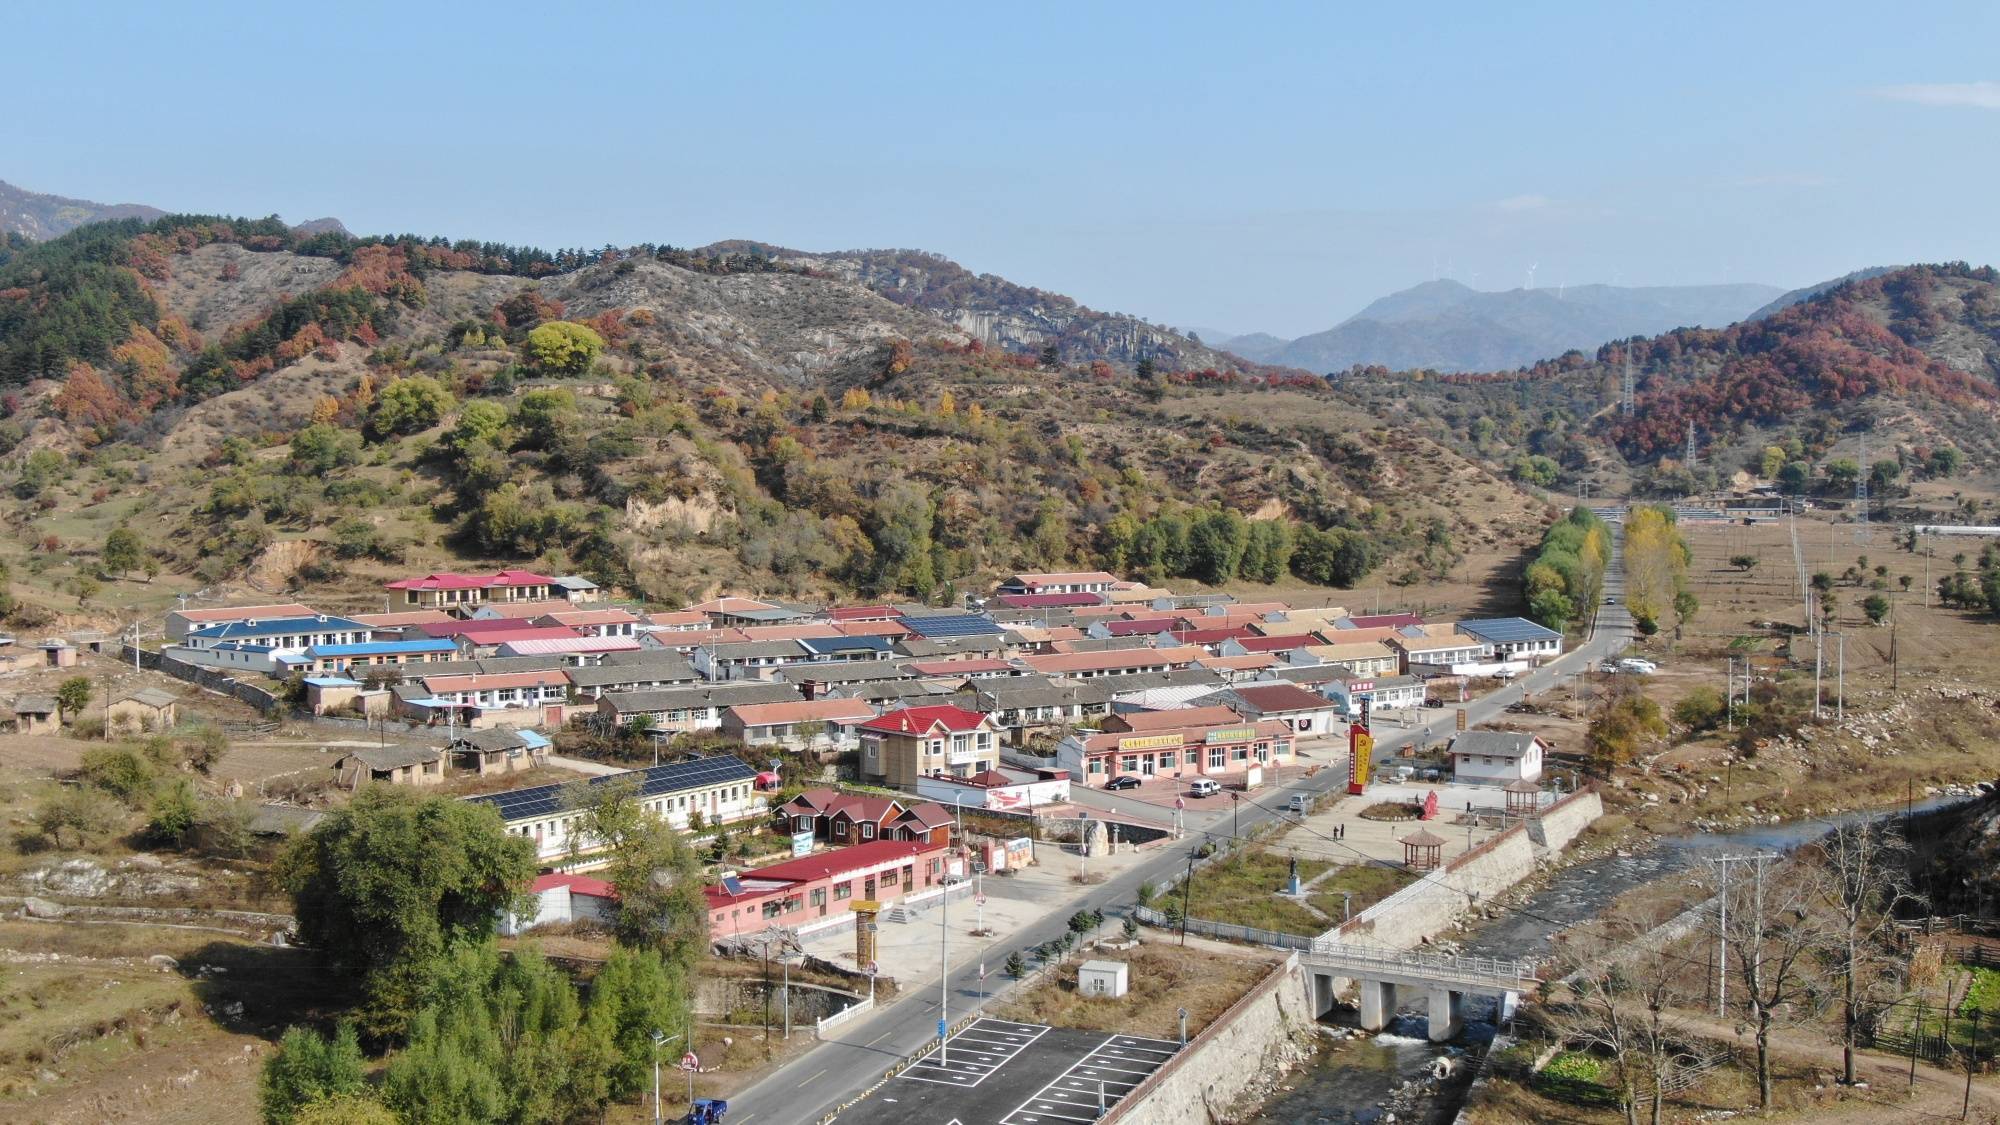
(1446, 326)
(39, 216)
(1811, 291)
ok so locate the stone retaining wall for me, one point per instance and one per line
(1224, 1068)
(1565, 820)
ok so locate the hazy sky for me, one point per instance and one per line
(1239, 166)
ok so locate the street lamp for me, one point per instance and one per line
(660, 1039)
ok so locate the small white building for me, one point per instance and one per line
(564, 898)
(1102, 980)
(1496, 757)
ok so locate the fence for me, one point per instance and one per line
(1227, 931)
(844, 1016)
(1943, 1036)
(204, 677)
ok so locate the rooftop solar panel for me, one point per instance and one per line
(1507, 630)
(545, 800)
(952, 625)
(732, 886)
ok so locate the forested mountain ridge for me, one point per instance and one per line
(35, 215)
(1912, 355)
(296, 407)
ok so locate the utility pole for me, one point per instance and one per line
(1722, 865)
(1819, 663)
(1840, 681)
(944, 973)
(1187, 888)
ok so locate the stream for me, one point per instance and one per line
(1384, 1078)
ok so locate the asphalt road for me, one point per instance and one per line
(812, 1084)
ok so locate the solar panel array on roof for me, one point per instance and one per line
(732, 886)
(545, 800)
(952, 625)
(1508, 630)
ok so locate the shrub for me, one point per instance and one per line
(120, 771)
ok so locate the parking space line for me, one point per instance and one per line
(969, 1061)
(1094, 1074)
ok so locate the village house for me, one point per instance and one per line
(718, 790)
(392, 765)
(817, 680)
(645, 670)
(841, 649)
(1364, 658)
(807, 724)
(356, 660)
(1206, 749)
(525, 612)
(489, 699)
(903, 745)
(147, 710)
(694, 708)
(842, 819)
(1515, 638)
(577, 589)
(817, 891)
(748, 660)
(498, 750)
(181, 622)
(465, 593)
(326, 695)
(562, 899)
(1059, 582)
(1112, 662)
(1308, 713)
(256, 645)
(37, 714)
(1452, 653)
(607, 622)
(996, 790)
(574, 649)
(1495, 757)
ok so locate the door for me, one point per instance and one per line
(1146, 764)
(868, 889)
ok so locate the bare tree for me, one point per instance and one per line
(1774, 937)
(1625, 979)
(1866, 880)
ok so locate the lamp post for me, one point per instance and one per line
(661, 1039)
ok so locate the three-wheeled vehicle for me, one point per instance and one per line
(707, 1111)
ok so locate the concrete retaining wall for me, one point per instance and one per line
(1565, 820)
(1430, 905)
(1224, 1068)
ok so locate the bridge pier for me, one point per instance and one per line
(1378, 1003)
(1322, 994)
(1446, 1014)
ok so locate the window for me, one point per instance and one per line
(1129, 764)
(771, 909)
(1168, 759)
(867, 830)
(843, 890)
(818, 896)
(1097, 765)
(1239, 753)
(801, 823)
(1215, 758)
(840, 829)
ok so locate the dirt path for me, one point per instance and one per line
(1937, 1095)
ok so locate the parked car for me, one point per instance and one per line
(1433, 702)
(1506, 673)
(1608, 666)
(1610, 599)
(1123, 781)
(1204, 787)
(1634, 666)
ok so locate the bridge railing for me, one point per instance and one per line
(1483, 969)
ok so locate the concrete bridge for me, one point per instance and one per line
(1446, 979)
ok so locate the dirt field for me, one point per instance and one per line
(1163, 977)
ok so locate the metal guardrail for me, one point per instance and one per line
(1493, 972)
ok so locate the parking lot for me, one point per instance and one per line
(997, 1072)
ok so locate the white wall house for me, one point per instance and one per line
(1493, 757)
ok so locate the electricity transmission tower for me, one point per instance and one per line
(1625, 395)
(1688, 460)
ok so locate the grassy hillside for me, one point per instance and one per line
(285, 408)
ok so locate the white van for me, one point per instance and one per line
(1632, 665)
(1301, 803)
(1204, 787)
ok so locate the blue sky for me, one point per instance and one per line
(1253, 166)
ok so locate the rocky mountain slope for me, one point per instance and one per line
(1000, 313)
(311, 408)
(35, 215)
(1449, 327)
